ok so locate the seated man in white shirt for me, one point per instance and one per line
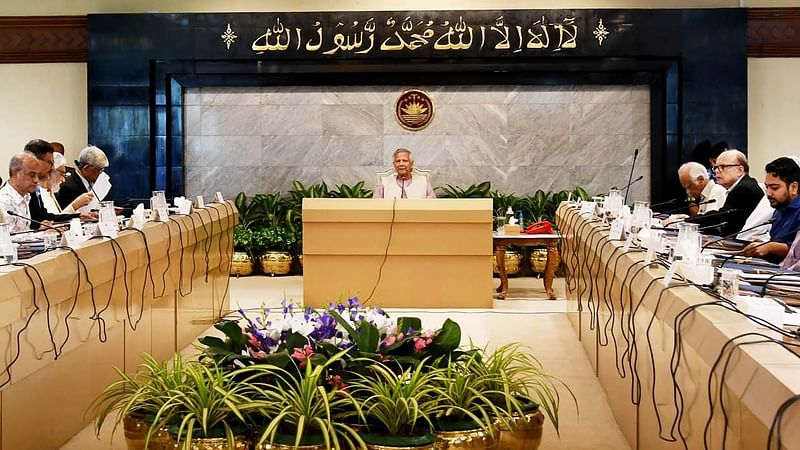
(403, 183)
(15, 195)
(703, 195)
(700, 190)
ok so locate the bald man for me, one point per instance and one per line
(744, 193)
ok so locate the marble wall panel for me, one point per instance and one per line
(352, 120)
(230, 120)
(521, 138)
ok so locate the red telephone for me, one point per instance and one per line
(542, 227)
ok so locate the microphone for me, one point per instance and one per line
(713, 225)
(633, 164)
(668, 202)
(772, 239)
(707, 202)
(41, 224)
(629, 185)
(768, 222)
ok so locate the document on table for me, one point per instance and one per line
(100, 188)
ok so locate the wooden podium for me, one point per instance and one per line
(438, 252)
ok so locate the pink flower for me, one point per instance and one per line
(389, 341)
(337, 383)
(303, 354)
(252, 340)
(420, 344)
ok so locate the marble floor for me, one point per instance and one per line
(524, 317)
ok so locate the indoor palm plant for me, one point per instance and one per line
(398, 404)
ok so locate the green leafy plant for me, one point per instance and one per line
(306, 407)
(212, 402)
(243, 239)
(470, 395)
(480, 190)
(398, 403)
(277, 211)
(516, 381)
(355, 191)
(501, 202)
(250, 212)
(277, 238)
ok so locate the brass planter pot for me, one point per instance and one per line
(513, 262)
(538, 259)
(242, 264)
(525, 432)
(136, 433)
(474, 439)
(276, 263)
(290, 447)
(239, 443)
(386, 447)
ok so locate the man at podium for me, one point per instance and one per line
(403, 181)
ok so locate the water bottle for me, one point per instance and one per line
(520, 217)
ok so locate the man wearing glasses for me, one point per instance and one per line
(743, 195)
(90, 164)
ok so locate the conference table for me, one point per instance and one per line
(680, 368)
(69, 317)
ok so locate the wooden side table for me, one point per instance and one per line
(501, 241)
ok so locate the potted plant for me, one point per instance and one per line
(274, 243)
(209, 409)
(468, 407)
(523, 393)
(398, 405)
(305, 404)
(242, 251)
(135, 400)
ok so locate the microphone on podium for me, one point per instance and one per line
(41, 224)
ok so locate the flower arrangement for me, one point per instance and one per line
(289, 334)
(342, 377)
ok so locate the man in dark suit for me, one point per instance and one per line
(44, 154)
(91, 163)
(744, 193)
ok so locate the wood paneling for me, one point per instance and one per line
(773, 32)
(43, 39)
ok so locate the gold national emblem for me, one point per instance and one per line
(414, 110)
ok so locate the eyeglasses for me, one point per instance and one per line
(721, 167)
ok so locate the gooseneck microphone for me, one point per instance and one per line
(768, 222)
(664, 203)
(706, 202)
(630, 177)
(41, 224)
(625, 188)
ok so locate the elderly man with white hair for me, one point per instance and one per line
(703, 195)
(91, 163)
(744, 194)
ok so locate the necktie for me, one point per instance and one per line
(403, 189)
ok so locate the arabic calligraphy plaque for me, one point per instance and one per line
(414, 110)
